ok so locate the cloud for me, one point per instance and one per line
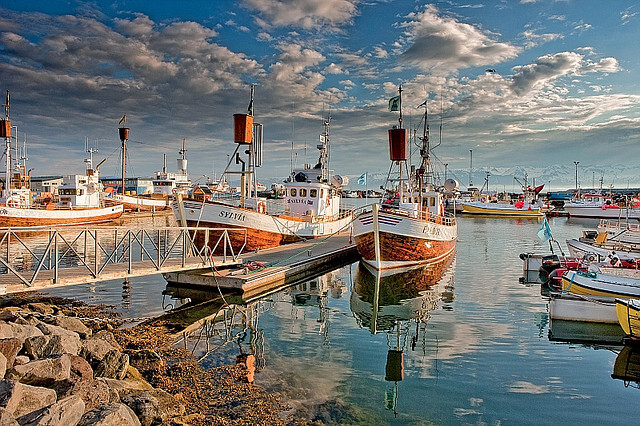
(550, 67)
(440, 43)
(533, 39)
(306, 14)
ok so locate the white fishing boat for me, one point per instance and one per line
(311, 208)
(169, 184)
(621, 231)
(599, 249)
(410, 226)
(80, 198)
(599, 206)
(574, 307)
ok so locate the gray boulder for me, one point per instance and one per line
(114, 414)
(34, 346)
(73, 324)
(113, 366)
(19, 331)
(67, 412)
(20, 399)
(97, 346)
(43, 372)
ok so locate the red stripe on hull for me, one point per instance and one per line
(7, 221)
(400, 248)
(256, 239)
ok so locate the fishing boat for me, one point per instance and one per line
(576, 307)
(600, 284)
(621, 231)
(311, 207)
(80, 199)
(410, 226)
(526, 205)
(169, 184)
(595, 205)
(628, 315)
(595, 247)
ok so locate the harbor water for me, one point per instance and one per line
(472, 346)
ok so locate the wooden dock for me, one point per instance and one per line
(283, 266)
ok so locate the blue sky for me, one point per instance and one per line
(565, 87)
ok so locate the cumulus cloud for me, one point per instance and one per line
(443, 43)
(307, 14)
(550, 67)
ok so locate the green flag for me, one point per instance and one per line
(394, 103)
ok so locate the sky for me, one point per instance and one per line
(511, 86)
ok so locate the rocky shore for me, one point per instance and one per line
(65, 362)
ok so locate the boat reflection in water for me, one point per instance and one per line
(400, 305)
(627, 366)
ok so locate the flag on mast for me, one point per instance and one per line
(362, 180)
(544, 233)
(394, 103)
(123, 120)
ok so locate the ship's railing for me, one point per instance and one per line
(26, 252)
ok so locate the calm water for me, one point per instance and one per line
(475, 346)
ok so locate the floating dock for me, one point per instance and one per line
(269, 270)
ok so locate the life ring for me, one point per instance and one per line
(591, 257)
(12, 203)
(261, 208)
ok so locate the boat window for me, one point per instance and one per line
(313, 193)
(322, 193)
(293, 192)
(80, 191)
(433, 202)
(303, 192)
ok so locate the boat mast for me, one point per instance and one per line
(323, 147)
(425, 172)
(123, 132)
(401, 200)
(6, 133)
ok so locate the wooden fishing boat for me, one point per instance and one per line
(410, 226)
(628, 315)
(80, 199)
(311, 208)
(518, 209)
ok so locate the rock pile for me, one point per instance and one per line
(56, 370)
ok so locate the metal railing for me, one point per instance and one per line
(26, 252)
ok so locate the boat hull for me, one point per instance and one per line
(596, 212)
(628, 315)
(569, 307)
(13, 217)
(140, 204)
(581, 249)
(493, 209)
(605, 285)
(262, 230)
(404, 241)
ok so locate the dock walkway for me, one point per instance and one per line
(283, 266)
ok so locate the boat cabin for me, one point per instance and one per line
(81, 191)
(311, 199)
